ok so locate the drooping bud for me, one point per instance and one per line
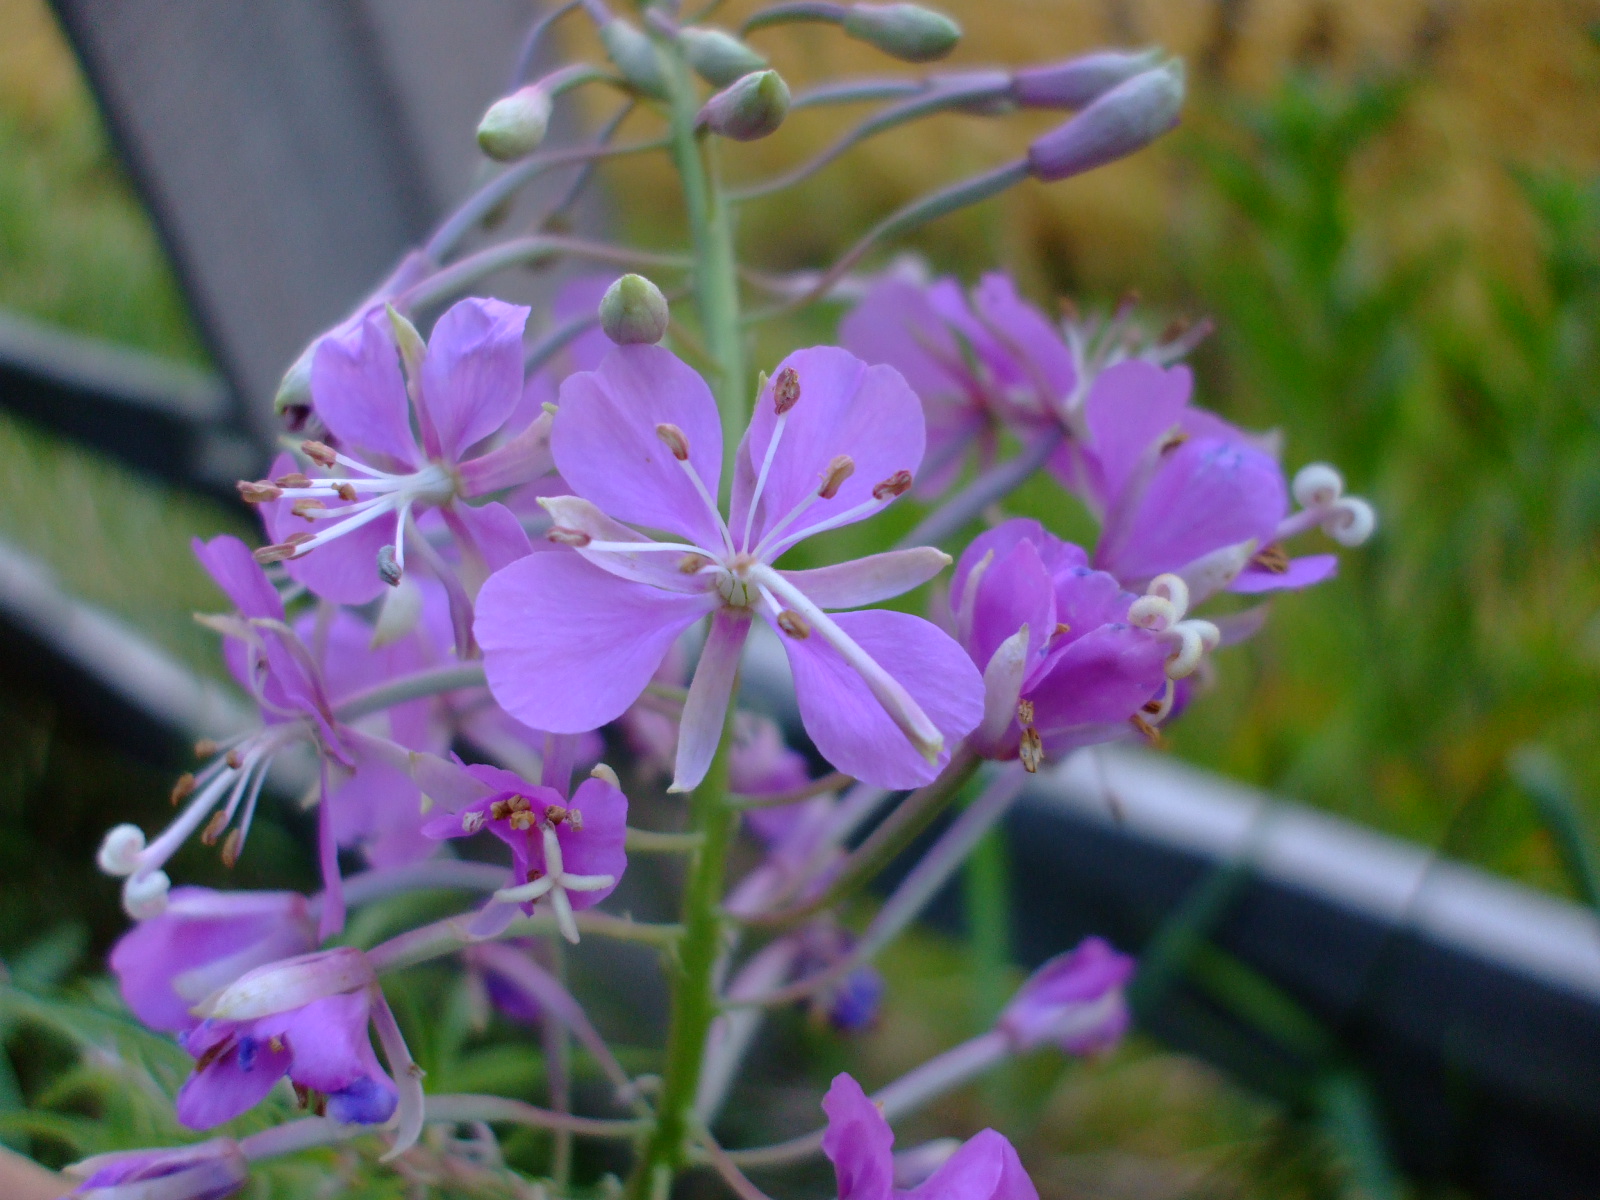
(749, 108)
(206, 1171)
(908, 32)
(718, 56)
(786, 390)
(674, 439)
(634, 55)
(1127, 118)
(389, 569)
(897, 484)
(1079, 81)
(514, 125)
(633, 312)
(840, 469)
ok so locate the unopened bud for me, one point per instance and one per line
(908, 32)
(786, 390)
(718, 56)
(749, 108)
(515, 124)
(120, 850)
(840, 469)
(634, 55)
(674, 439)
(794, 624)
(319, 452)
(633, 312)
(258, 492)
(897, 484)
(1127, 118)
(389, 568)
(1080, 81)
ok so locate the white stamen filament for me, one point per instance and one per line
(905, 712)
(710, 503)
(772, 546)
(761, 478)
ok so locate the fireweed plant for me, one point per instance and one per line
(489, 544)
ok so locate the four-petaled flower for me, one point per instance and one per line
(571, 639)
(1075, 1002)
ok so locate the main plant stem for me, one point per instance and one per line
(716, 278)
(694, 1001)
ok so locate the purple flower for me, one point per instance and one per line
(343, 534)
(860, 1145)
(203, 941)
(204, 1171)
(304, 1017)
(571, 639)
(1069, 658)
(851, 1004)
(1075, 1002)
(567, 849)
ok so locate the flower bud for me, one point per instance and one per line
(515, 124)
(288, 984)
(1127, 118)
(718, 56)
(634, 55)
(1079, 81)
(633, 312)
(908, 32)
(1075, 1002)
(749, 108)
(206, 1171)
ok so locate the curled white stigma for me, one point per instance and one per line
(145, 896)
(119, 852)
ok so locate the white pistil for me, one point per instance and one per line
(1319, 490)
(897, 702)
(556, 883)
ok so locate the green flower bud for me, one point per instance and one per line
(718, 56)
(515, 124)
(634, 55)
(633, 312)
(905, 31)
(749, 108)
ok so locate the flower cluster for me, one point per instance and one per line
(498, 551)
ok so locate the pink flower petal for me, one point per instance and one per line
(1130, 405)
(598, 848)
(845, 720)
(1034, 342)
(360, 394)
(858, 1142)
(710, 691)
(1302, 573)
(985, 1168)
(845, 408)
(1101, 677)
(863, 581)
(225, 1089)
(495, 532)
(472, 373)
(230, 563)
(606, 447)
(568, 647)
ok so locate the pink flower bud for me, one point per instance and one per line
(206, 1171)
(1075, 1002)
(749, 108)
(1127, 118)
(1079, 81)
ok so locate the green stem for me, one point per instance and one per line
(716, 268)
(694, 1001)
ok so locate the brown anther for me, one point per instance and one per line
(563, 536)
(276, 1044)
(319, 452)
(1025, 711)
(897, 484)
(1031, 752)
(304, 508)
(258, 492)
(183, 789)
(234, 759)
(472, 820)
(292, 480)
(1153, 707)
(302, 1095)
(284, 549)
(1172, 441)
(205, 748)
(1150, 732)
(216, 1052)
(214, 827)
(319, 1104)
(691, 564)
(231, 847)
(346, 492)
(785, 390)
(1175, 329)
(555, 814)
(519, 804)
(840, 469)
(674, 439)
(1061, 627)
(522, 821)
(1273, 559)
(1068, 307)
(794, 624)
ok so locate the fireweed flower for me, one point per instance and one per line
(566, 850)
(203, 941)
(343, 535)
(860, 1145)
(1075, 1002)
(851, 1004)
(1182, 491)
(204, 1171)
(571, 639)
(1069, 657)
(306, 1018)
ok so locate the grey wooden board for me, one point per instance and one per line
(291, 151)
